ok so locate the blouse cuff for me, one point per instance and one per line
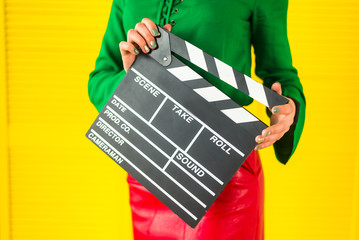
(284, 147)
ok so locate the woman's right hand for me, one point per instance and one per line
(142, 38)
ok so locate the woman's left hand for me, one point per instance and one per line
(281, 120)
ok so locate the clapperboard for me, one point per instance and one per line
(174, 132)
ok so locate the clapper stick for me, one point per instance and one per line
(215, 67)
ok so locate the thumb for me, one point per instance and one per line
(277, 88)
(168, 27)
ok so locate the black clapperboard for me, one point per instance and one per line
(175, 133)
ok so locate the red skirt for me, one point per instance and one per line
(236, 214)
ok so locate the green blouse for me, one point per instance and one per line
(225, 29)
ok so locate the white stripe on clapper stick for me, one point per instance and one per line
(184, 73)
(256, 90)
(239, 115)
(196, 56)
(225, 73)
(211, 94)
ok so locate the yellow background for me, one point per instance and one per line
(55, 184)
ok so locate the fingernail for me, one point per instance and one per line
(276, 110)
(267, 134)
(260, 140)
(153, 44)
(155, 32)
(147, 49)
(136, 51)
(257, 148)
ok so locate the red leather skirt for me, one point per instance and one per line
(236, 214)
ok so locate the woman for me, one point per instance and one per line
(225, 29)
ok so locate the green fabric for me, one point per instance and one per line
(225, 29)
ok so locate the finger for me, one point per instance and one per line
(142, 29)
(264, 145)
(275, 129)
(259, 139)
(168, 27)
(277, 88)
(264, 142)
(151, 26)
(136, 39)
(272, 138)
(128, 48)
(286, 109)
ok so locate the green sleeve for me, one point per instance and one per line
(109, 68)
(274, 64)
